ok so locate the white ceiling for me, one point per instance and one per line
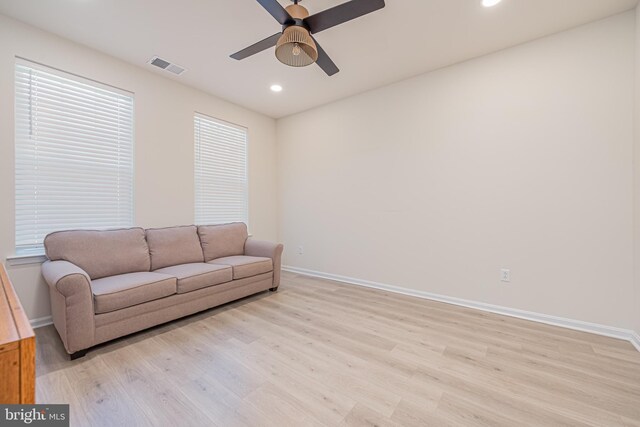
(406, 38)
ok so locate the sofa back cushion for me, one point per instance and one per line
(101, 253)
(222, 240)
(173, 246)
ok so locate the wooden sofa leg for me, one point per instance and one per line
(273, 289)
(78, 354)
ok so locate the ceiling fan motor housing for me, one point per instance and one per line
(297, 12)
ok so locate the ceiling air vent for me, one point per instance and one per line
(167, 66)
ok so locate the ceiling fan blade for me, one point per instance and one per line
(277, 11)
(258, 47)
(340, 14)
(324, 61)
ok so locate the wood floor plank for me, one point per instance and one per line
(363, 416)
(169, 402)
(101, 397)
(328, 405)
(55, 388)
(480, 381)
(321, 353)
(281, 407)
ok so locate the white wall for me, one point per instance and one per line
(520, 159)
(164, 111)
(636, 191)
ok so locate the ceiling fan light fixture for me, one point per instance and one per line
(294, 44)
(296, 47)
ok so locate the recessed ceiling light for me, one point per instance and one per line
(276, 88)
(489, 3)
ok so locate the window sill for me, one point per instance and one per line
(24, 259)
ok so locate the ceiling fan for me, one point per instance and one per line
(295, 46)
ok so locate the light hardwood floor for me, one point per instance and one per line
(322, 353)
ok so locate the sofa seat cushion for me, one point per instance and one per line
(246, 266)
(125, 290)
(198, 275)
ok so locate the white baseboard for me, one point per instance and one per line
(41, 321)
(609, 331)
(635, 340)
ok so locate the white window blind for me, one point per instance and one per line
(220, 171)
(74, 155)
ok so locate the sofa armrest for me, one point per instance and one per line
(65, 277)
(253, 247)
(71, 304)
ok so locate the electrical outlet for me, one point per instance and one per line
(300, 250)
(505, 275)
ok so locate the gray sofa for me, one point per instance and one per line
(106, 284)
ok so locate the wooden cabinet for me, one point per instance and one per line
(17, 348)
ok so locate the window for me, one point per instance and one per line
(74, 155)
(220, 171)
